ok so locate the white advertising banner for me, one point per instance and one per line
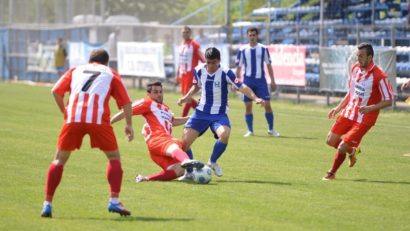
(141, 59)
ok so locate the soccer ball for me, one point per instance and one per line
(203, 175)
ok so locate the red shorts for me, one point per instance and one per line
(101, 136)
(158, 146)
(186, 82)
(353, 131)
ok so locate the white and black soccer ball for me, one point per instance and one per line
(203, 175)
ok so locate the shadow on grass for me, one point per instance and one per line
(130, 218)
(377, 181)
(284, 137)
(253, 182)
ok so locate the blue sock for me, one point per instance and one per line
(269, 118)
(191, 156)
(249, 121)
(219, 148)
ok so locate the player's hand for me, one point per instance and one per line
(181, 101)
(129, 132)
(273, 86)
(332, 113)
(365, 109)
(260, 101)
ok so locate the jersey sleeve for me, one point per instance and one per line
(385, 88)
(267, 58)
(63, 85)
(196, 79)
(230, 77)
(118, 91)
(141, 106)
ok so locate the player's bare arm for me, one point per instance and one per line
(129, 131)
(238, 71)
(117, 117)
(179, 121)
(334, 111)
(60, 101)
(375, 107)
(194, 89)
(251, 95)
(272, 77)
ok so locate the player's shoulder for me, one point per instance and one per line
(378, 72)
(225, 69)
(141, 101)
(260, 45)
(195, 43)
(200, 67)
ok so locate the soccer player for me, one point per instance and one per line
(369, 92)
(253, 56)
(213, 80)
(87, 112)
(60, 55)
(189, 56)
(164, 150)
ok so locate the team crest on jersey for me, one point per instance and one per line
(217, 84)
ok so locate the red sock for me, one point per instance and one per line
(179, 155)
(164, 175)
(54, 175)
(185, 109)
(114, 176)
(194, 104)
(337, 161)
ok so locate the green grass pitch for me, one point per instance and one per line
(269, 183)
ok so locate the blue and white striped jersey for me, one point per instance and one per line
(253, 60)
(215, 89)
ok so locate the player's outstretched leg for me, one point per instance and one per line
(188, 163)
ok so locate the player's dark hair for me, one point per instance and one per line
(252, 29)
(187, 28)
(368, 47)
(99, 55)
(212, 53)
(155, 83)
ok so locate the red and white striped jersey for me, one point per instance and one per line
(158, 118)
(90, 88)
(366, 87)
(189, 56)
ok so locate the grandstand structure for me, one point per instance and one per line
(349, 22)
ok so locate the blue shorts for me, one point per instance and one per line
(258, 86)
(201, 121)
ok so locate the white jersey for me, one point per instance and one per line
(214, 95)
(253, 60)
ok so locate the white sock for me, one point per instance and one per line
(115, 200)
(46, 203)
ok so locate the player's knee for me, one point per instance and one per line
(330, 142)
(343, 147)
(224, 137)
